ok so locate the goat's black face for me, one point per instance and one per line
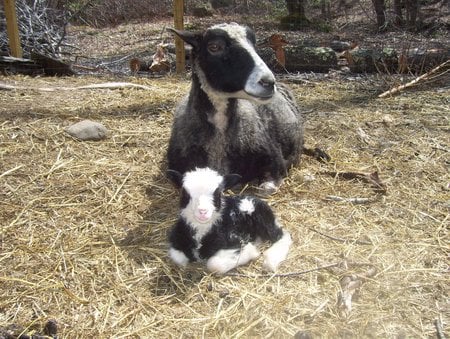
(225, 62)
(228, 63)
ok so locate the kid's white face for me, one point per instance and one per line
(201, 186)
(199, 209)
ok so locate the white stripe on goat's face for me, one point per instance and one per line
(229, 67)
(202, 190)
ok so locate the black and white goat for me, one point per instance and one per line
(222, 230)
(236, 119)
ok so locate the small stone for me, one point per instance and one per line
(51, 328)
(87, 130)
(302, 335)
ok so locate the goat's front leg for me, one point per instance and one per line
(225, 260)
(272, 176)
(178, 257)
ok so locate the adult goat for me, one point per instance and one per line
(236, 118)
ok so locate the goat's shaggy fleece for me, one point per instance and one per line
(221, 230)
(236, 118)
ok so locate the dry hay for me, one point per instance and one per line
(83, 224)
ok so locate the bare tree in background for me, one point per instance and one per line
(296, 8)
(380, 11)
(411, 8)
(412, 11)
(325, 9)
(398, 14)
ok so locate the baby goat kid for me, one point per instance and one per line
(222, 230)
(236, 118)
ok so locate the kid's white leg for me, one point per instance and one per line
(225, 260)
(276, 253)
(178, 257)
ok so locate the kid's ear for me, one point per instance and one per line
(190, 38)
(176, 177)
(230, 180)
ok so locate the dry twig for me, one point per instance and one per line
(283, 275)
(106, 85)
(355, 200)
(353, 241)
(398, 89)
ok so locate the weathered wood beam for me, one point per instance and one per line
(178, 12)
(12, 28)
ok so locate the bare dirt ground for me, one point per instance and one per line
(83, 224)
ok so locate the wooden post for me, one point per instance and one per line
(178, 13)
(12, 28)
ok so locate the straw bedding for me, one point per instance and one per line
(83, 224)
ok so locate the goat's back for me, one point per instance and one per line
(255, 135)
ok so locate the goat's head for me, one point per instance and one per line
(227, 65)
(201, 193)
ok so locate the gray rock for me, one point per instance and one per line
(87, 130)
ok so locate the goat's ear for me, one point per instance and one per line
(190, 38)
(176, 177)
(230, 180)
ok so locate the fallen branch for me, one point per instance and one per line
(356, 200)
(289, 274)
(397, 89)
(359, 242)
(341, 264)
(107, 85)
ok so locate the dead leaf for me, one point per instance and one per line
(348, 56)
(160, 62)
(403, 63)
(277, 42)
(281, 58)
(137, 65)
(350, 285)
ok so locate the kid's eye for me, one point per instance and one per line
(215, 47)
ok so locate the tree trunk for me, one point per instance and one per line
(372, 60)
(296, 19)
(412, 11)
(296, 8)
(398, 16)
(325, 8)
(380, 10)
(341, 3)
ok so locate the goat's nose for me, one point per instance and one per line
(267, 82)
(202, 211)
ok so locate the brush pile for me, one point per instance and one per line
(42, 29)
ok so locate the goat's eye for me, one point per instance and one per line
(215, 47)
